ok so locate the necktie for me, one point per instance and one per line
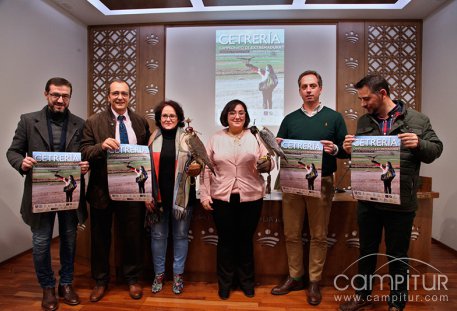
(122, 130)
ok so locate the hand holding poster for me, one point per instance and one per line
(55, 181)
(375, 169)
(129, 169)
(301, 174)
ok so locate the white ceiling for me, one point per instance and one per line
(86, 13)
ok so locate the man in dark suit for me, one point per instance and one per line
(53, 128)
(102, 132)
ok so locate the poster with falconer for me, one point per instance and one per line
(375, 169)
(129, 169)
(56, 181)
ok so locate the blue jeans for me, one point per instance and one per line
(159, 239)
(41, 248)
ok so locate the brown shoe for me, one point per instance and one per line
(97, 293)
(357, 304)
(69, 295)
(49, 302)
(314, 294)
(135, 291)
(289, 285)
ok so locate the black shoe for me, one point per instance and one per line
(248, 292)
(357, 304)
(224, 293)
(289, 285)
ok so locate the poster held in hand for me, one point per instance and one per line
(55, 181)
(129, 169)
(301, 173)
(375, 169)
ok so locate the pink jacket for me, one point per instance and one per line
(235, 163)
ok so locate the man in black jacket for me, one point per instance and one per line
(54, 128)
(419, 143)
(102, 132)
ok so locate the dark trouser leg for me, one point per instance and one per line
(130, 219)
(225, 221)
(100, 221)
(370, 222)
(248, 215)
(398, 228)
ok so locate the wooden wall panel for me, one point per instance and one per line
(151, 70)
(351, 56)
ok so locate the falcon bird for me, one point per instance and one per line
(197, 148)
(269, 141)
(266, 137)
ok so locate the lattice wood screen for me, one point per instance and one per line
(113, 54)
(393, 53)
(133, 53)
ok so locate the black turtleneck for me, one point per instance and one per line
(167, 166)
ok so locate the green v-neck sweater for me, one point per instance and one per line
(327, 124)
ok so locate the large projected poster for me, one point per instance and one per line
(250, 67)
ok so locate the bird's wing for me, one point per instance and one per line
(198, 150)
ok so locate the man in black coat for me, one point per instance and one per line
(102, 132)
(54, 128)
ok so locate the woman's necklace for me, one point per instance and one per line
(236, 138)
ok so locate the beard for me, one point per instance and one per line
(57, 114)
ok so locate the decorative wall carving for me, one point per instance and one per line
(351, 63)
(152, 69)
(392, 52)
(113, 54)
(351, 36)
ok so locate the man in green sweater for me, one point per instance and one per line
(312, 121)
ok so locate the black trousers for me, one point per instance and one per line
(130, 232)
(235, 224)
(397, 228)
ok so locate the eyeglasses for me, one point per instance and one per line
(116, 94)
(56, 96)
(166, 116)
(241, 114)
